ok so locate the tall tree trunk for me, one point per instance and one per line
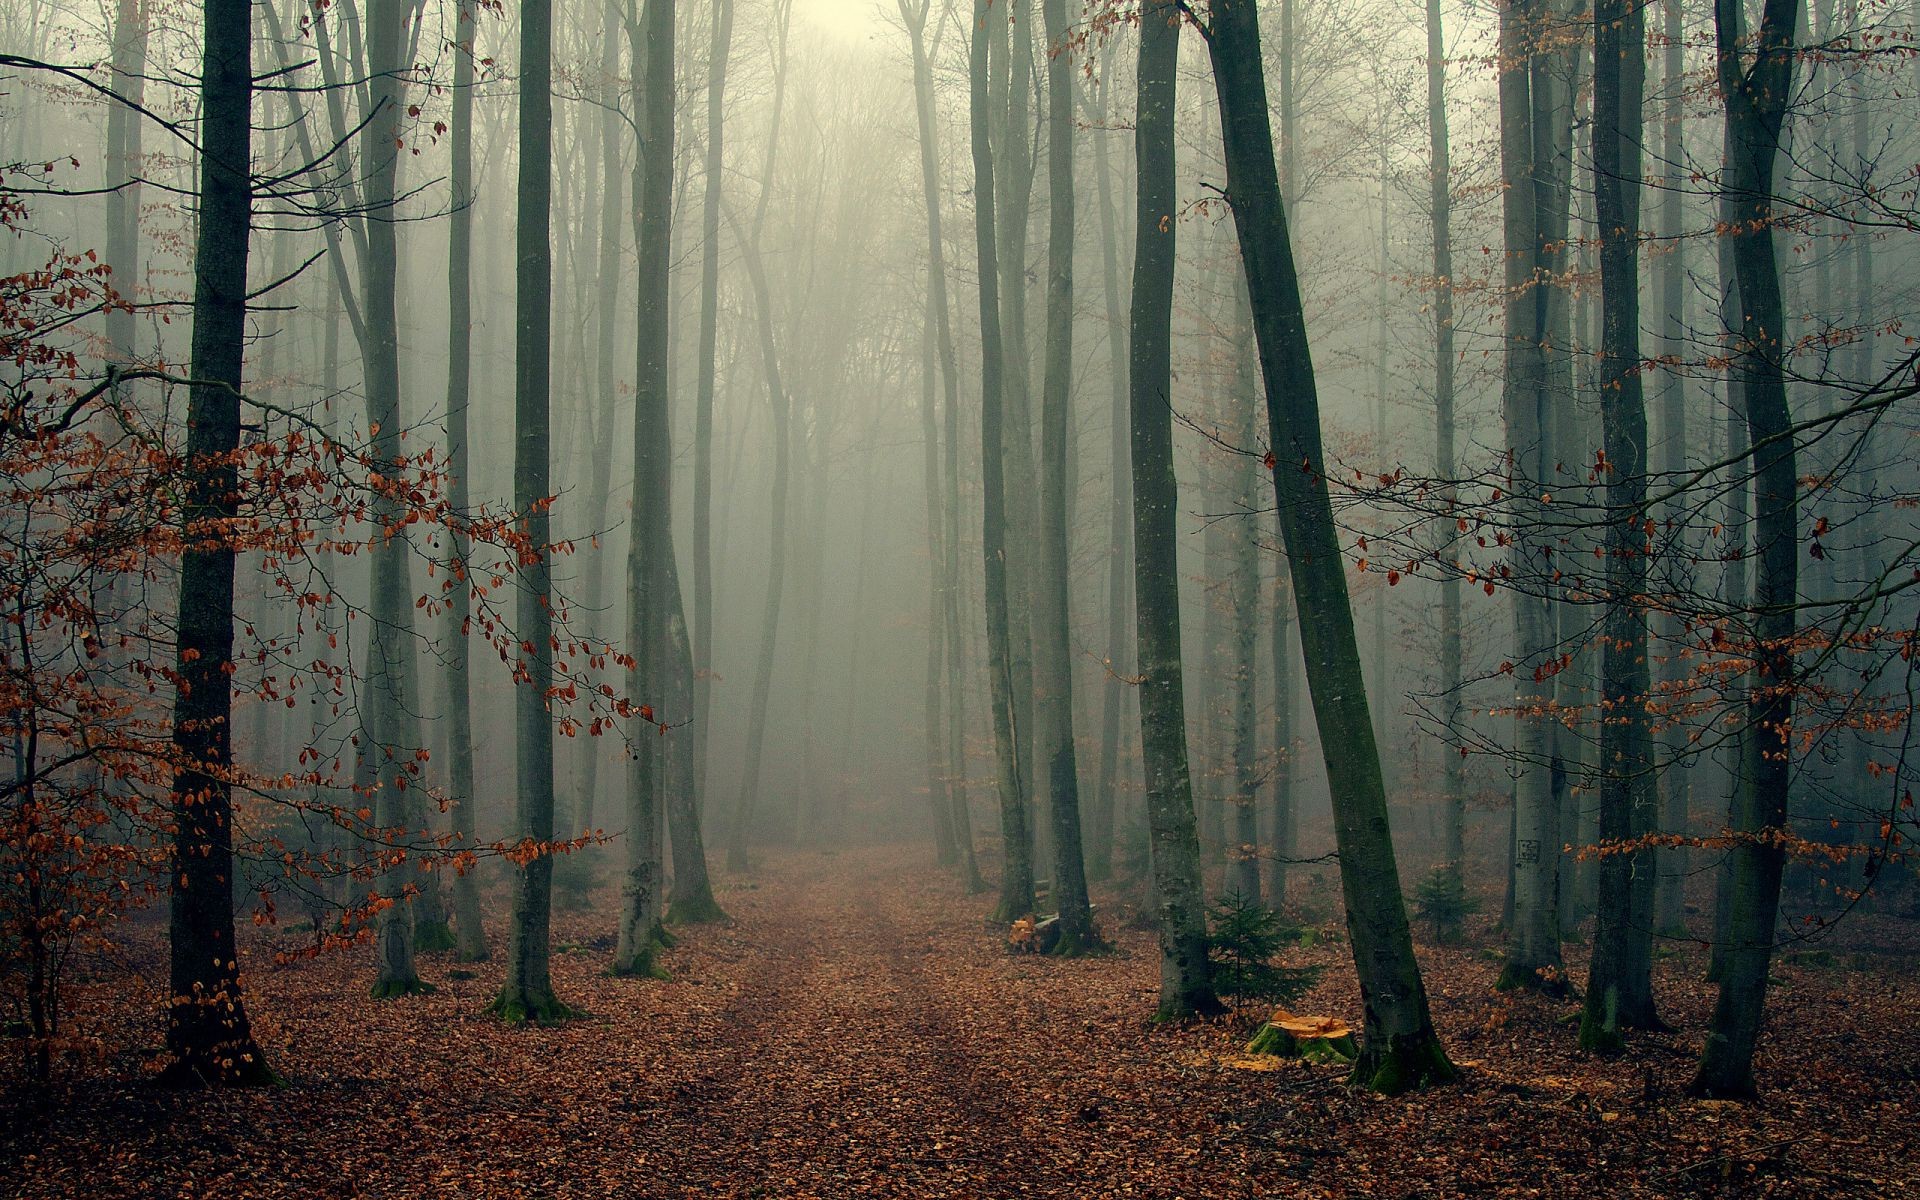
(650, 550)
(1114, 691)
(527, 992)
(742, 829)
(1452, 709)
(470, 935)
(1016, 873)
(124, 166)
(1282, 838)
(1186, 986)
(1676, 778)
(208, 1034)
(719, 49)
(1399, 1050)
(943, 536)
(1619, 987)
(1756, 98)
(392, 730)
(1243, 601)
(1528, 84)
(1052, 630)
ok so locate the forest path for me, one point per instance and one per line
(857, 1030)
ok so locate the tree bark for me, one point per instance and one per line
(1016, 874)
(1399, 1050)
(1756, 96)
(719, 49)
(1186, 986)
(1619, 985)
(208, 1034)
(527, 992)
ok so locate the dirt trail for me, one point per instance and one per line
(857, 1032)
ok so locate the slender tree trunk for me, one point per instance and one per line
(1243, 600)
(1453, 781)
(719, 49)
(1527, 86)
(469, 933)
(1619, 988)
(1114, 692)
(527, 992)
(124, 168)
(390, 724)
(1756, 98)
(1283, 839)
(1016, 875)
(1186, 987)
(208, 1034)
(1052, 631)
(650, 550)
(742, 830)
(1399, 1050)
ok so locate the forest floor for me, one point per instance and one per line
(857, 1031)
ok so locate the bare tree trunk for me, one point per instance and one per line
(742, 829)
(1756, 98)
(392, 730)
(650, 611)
(1016, 875)
(1619, 986)
(1243, 600)
(1529, 83)
(1186, 986)
(719, 49)
(469, 933)
(208, 1034)
(527, 992)
(124, 167)
(1453, 781)
(1399, 1050)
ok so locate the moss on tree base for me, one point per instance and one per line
(1403, 1064)
(514, 1008)
(643, 965)
(698, 909)
(1548, 981)
(394, 989)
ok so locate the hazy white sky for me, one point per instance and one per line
(848, 18)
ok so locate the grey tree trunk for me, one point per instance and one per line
(1016, 873)
(1281, 838)
(392, 731)
(208, 1034)
(1619, 983)
(1756, 95)
(1453, 781)
(527, 992)
(470, 934)
(124, 166)
(650, 612)
(1186, 985)
(1530, 86)
(742, 829)
(1114, 691)
(1676, 779)
(1052, 632)
(719, 49)
(1243, 601)
(1399, 1050)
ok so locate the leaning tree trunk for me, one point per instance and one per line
(208, 1035)
(470, 935)
(1619, 991)
(1016, 874)
(1052, 632)
(650, 550)
(1756, 99)
(1186, 985)
(527, 992)
(1399, 1050)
